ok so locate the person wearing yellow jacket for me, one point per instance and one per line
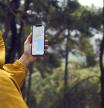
(13, 75)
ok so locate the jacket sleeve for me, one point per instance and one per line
(17, 71)
(2, 51)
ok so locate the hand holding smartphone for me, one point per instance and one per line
(38, 40)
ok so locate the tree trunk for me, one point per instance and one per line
(66, 101)
(102, 72)
(12, 8)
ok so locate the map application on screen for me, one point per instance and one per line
(38, 40)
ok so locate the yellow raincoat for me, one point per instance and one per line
(11, 78)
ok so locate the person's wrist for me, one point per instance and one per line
(25, 59)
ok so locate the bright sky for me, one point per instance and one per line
(97, 3)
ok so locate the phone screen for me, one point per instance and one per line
(38, 40)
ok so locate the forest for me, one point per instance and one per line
(71, 75)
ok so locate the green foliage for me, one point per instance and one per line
(84, 86)
(86, 46)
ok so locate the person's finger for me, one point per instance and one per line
(46, 46)
(46, 36)
(46, 42)
(45, 52)
(29, 38)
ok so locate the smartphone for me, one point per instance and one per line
(38, 32)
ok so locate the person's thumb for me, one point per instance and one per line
(29, 38)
